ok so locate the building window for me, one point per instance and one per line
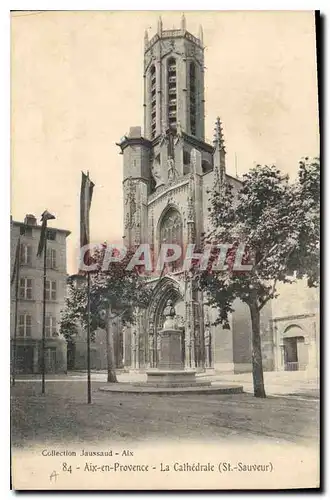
(51, 234)
(51, 258)
(192, 93)
(25, 254)
(24, 325)
(26, 231)
(206, 166)
(172, 92)
(50, 290)
(153, 100)
(50, 326)
(171, 232)
(25, 288)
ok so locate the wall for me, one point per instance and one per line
(297, 307)
(34, 306)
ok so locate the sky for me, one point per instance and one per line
(77, 87)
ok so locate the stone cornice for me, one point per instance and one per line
(293, 316)
(175, 33)
(133, 141)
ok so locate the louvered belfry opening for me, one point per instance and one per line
(153, 100)
(172, 92)
(192, 93)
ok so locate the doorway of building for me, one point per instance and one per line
(24, 359)
(50, 359)
(294, 354)
(71, 352)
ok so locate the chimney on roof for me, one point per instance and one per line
(30, 220)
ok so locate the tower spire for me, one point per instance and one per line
(146, 38)
(200, 33)
(160, 26)
(219, 154)
(183, 22)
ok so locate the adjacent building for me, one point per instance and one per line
(27, 297)
(296, 328)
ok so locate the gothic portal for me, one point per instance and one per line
(169, 171)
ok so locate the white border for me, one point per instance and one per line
(5, 6)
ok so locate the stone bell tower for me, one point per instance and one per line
(174, 82)
(168, 170)
(136, 179)
(172, 144)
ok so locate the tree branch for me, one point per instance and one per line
(270, 296)
(265, 256)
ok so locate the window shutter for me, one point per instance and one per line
(28, 325)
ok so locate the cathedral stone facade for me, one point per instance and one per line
(169, 173)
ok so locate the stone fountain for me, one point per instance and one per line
(170, 377)
(170, 371)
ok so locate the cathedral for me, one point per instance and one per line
(169, 172)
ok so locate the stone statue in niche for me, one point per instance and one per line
(156, 173)
(179, 129)
(178, 135)
(193, 160)
(171, 170)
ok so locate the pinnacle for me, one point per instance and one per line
(218, 133)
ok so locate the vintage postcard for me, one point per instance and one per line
(165, 232)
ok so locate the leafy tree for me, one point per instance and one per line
(74, 303)
(114, 293)
(305, 258)
(278, 223)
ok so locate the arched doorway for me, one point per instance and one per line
(165, 290)
(295, 351)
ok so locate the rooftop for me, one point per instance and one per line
(30, 223)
